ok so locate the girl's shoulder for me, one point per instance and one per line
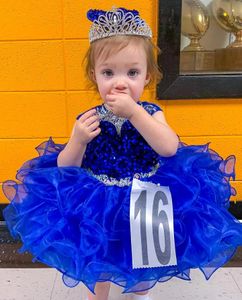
(151, 108)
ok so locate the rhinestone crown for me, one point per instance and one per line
(118, 21)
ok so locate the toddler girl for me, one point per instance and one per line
(124, 201)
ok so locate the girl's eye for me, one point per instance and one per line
(107, 73)
(133, 73)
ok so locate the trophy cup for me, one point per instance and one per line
(228, 14)
(194, 24)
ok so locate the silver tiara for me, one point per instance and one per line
(117, 21)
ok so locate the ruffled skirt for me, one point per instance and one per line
(75, 223)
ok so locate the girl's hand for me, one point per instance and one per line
(121, 104)
(86, 127)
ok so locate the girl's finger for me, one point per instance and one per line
(96, 132)
(110, 97)
(86, 115)
(94, 126)
(91, 120)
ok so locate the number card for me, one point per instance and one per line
(151, 225)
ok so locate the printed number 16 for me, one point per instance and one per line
(157, 219)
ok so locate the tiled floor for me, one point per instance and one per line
(46, 284)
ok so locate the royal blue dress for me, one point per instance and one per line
(76, 219)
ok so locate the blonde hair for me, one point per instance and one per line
(104, 47)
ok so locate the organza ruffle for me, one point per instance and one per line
(71, 221)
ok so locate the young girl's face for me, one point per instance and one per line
(122, 72)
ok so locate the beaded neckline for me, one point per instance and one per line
(107, 115)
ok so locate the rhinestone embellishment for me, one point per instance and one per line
(118, 22)
(123, 181)
(107, 115)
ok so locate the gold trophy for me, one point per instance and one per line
(194, 24)
(228, 14)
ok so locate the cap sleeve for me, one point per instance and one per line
(151, 108)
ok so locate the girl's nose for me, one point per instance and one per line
(120, 84)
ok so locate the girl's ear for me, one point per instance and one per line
(147, 79)
(93, 76)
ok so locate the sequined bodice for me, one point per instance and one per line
(119, 152)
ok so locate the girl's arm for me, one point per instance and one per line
(84, 131)
(72, 154)
(155, 131)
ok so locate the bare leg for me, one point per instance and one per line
(141, 295)
(101, 291)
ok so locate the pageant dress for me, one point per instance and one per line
(76, 219)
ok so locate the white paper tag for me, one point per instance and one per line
(151, 225)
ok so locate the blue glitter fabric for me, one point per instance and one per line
(120, 154)
(76, 219)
